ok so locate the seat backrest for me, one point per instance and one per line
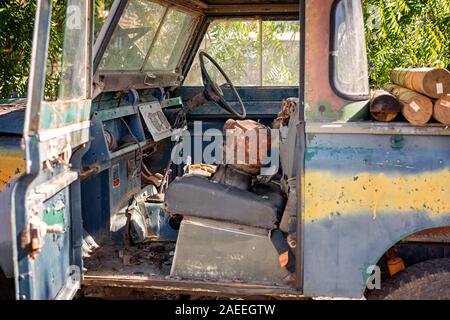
(288, 135)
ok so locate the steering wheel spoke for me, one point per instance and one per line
(214, 92)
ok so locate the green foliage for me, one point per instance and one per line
(101, 13)
(16, 29)
(406, 33)
(16, 33)
(236, 46)
(281, 65)
(55, 49)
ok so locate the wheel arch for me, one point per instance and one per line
(340, 252)
(427, 238)
(424, 236)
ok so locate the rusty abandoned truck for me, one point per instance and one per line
(93, 201)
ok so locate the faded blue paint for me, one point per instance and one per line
(346, 153)
(339, 247)
(101, 199)
(338, 250)
(259, 101)
(12, 122)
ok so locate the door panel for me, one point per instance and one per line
(56, 133)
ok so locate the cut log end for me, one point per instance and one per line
(442, 110)
(384, 106)
(436, 83)
(384, 117)
(418, 110)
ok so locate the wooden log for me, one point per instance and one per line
(441, 110)
(432, 82)
(416, 108)
(384, 106)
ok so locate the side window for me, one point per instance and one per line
(65, 77)
(253, 52)
(348, 53)
(74, 57)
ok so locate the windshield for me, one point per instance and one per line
(148, 37)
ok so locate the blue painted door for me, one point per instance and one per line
(46, 205)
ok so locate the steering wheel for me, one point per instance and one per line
(213, 92)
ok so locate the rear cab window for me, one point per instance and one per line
(253, 52)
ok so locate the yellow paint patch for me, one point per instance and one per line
(329, 194)
(12, 164)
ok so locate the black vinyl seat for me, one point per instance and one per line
(198, 196)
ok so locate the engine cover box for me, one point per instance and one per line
(213, 250)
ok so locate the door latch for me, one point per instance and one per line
(32, 237)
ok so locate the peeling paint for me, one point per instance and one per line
(62, 113)
(12, 164)
(374, 193)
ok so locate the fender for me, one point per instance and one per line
(363, 194)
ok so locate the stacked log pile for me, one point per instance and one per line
(416, 108)
(423, 93)
(431, 82)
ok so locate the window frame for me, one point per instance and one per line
(333, 63)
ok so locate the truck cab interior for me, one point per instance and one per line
(216, 147)
(174, 155)
(174, 80)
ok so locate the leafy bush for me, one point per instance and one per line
(16, 30)
(406, 33)
(16, 33)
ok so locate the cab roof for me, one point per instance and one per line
(225, 2)
(233, 7)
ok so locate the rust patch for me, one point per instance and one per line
(317, 55)
(12, 164)
(441, 235)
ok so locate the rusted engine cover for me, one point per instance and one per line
(248, 143)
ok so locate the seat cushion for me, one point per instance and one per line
(197, 196)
